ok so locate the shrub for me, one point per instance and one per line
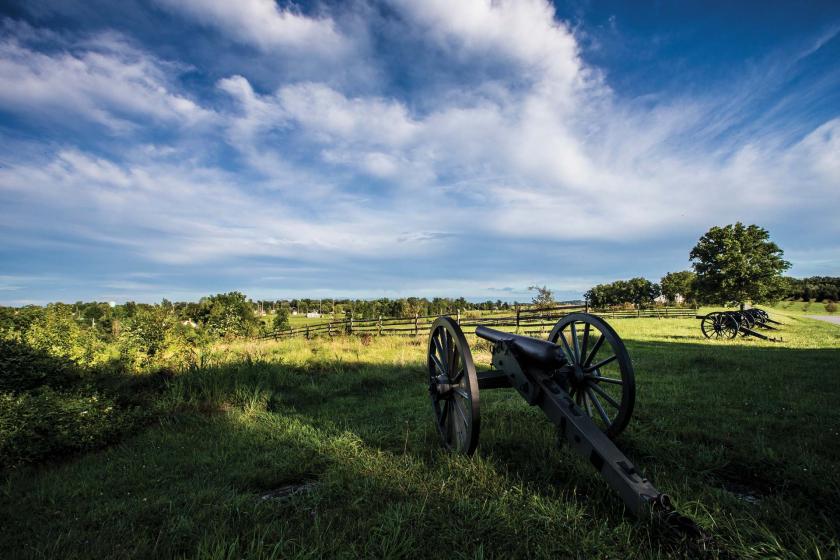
(46, 424)
(23, 368)
(281, 320)
(831, 307)
(57, 333)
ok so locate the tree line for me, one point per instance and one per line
(819, 288)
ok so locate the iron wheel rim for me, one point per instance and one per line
(603, 384)
(456, 411)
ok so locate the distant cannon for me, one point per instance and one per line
(581, 377)
(728, 324)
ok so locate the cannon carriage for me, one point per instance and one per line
(729, 324)
(581, 377)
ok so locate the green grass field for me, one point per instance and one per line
(744, 435)
(801, 308)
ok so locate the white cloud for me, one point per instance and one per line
(183, 213)
(104, 80)
(264, 25)
(521, 31)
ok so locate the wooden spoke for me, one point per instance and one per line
(603, 413)
(569, 352)
(601, 364)
(585, 340)
(575, 342)
(603, 379)
(595, 349)
(606, 396)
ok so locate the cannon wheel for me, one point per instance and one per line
(603, 382)
(453, 387)
(719, 325)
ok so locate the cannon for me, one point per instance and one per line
(728, 324)
(581, 377)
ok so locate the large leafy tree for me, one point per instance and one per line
(737, 263)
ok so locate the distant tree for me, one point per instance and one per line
(641, 291)
(737, 263)
(675, 284)
(543, 298)
(228, 314)
(281, 319)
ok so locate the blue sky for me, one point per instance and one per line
(176, 148)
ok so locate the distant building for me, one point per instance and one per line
(313, 315)
(662, 299)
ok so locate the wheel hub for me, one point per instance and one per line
(440, 387)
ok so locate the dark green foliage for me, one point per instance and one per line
(23, 368)
(228, 314)
(636, 291)
(47, 424)
(675, 284)
(820, 288)
(281, 319)
(736, 264)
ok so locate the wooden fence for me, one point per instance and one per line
(529, 321)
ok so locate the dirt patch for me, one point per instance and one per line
(288, 490)
(748, 483)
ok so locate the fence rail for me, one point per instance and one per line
(525, 321)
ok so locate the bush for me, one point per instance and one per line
(281, 320)
(46, 424)
(57, 333)
(831, 307)
(23, 368)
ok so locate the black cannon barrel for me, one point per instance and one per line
(492, 334)
(539, 353)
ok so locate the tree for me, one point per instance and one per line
(543, 298)
(737, 263)
(228, 314)
(281, 320)
(678, 284)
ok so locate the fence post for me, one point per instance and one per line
(380, 325)
(416, 330)
(459, 315)
(350, 324)
(586, 307)
(329, 329)
(517, 317)
(307, 332)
